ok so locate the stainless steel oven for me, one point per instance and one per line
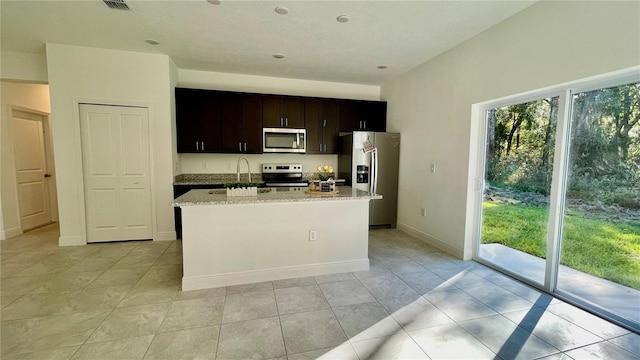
(284, 176)
(278, 140)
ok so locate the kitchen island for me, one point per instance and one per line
(280, 233)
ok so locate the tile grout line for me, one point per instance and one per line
(284, 344)
(224, 302)
(335, 317)
(401, 327)
(116, 306)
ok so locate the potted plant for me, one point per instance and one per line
(242, 188)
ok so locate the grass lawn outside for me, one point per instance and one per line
(600, 248)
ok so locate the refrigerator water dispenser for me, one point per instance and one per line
(362, 174)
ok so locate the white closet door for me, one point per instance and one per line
(115, 157)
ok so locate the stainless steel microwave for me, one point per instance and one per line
(282, 140)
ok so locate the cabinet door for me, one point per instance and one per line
(293, 112)
(363, 115)
(349, 116)
(252, 123)
(313, 124)
(375, 116)
(187, 120)
(330, 121)
(209, 115)
(272, 111)
(231, 123)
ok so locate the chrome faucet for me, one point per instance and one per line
(238, 168)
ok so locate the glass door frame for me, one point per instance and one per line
(476, 184)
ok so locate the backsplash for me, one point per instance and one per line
(227, 163)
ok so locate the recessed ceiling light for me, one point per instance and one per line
(282, 10)
(151, 42)
(278, 56)
(214, 2)
(343, 18)
(383, 66)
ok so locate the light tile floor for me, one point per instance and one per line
(123, 301)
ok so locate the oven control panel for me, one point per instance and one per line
(281, 168)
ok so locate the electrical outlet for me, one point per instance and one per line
(423, 211)
(313, 235)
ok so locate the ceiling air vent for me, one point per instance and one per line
(117, 4)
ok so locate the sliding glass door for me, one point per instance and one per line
(518, 171)
(600, 248)
(561, 196)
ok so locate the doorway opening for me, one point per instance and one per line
(34, 168)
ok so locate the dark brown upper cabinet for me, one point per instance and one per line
(198, 121)
(241, 123)
(361, 115)
(283, 111)
(321, 120)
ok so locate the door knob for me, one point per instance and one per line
(47, 175)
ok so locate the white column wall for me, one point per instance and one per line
(78, 74)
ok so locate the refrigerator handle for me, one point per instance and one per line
(372, 178)
(375, 184)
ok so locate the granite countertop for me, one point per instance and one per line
(213, 179)
(267, 195)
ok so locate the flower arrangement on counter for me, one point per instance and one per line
(322, 180)
(324, 173)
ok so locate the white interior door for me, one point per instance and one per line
(115, 157)
(31, 169)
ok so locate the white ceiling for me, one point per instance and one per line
(241, 36)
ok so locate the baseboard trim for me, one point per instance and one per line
(165, 236)
(9, 233)
(247, 277)
(432, 240)
(71, 241)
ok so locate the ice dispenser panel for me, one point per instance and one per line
(362, 172)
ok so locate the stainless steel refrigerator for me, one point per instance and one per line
(356, 167)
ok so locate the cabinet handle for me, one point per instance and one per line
(325, 147)
(320, 147)
(286, 121)
(202, 145)
(245, 147)
(281, 121)
(197, 147)
(240, 146)
(365, 124)
(324, 123)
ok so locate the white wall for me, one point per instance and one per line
(78, 74)
(23, 66)
(28, 96)
(273, 85)
(546, 44)
(226, 163)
